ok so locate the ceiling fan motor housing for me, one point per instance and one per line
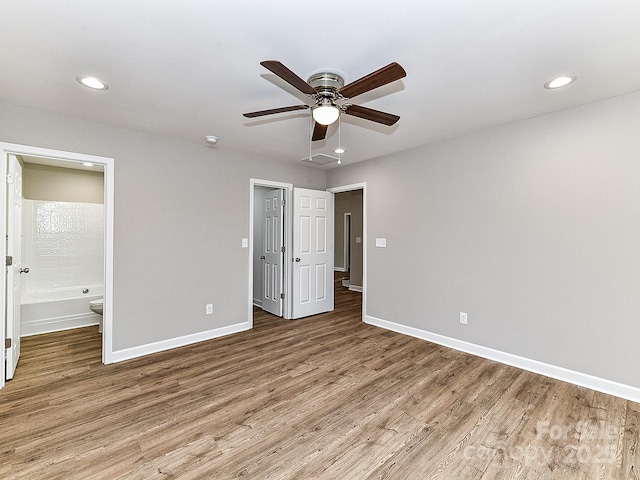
(326, 84)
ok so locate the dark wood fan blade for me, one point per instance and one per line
(275, 110)
(371, 114)
(288, 76)
(319, 132)
(388, 74)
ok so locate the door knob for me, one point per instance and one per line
(24, 270)
(297, 259)
(263, 257)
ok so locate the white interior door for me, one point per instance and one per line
(272, 254)
(312, 252)
(14, 249)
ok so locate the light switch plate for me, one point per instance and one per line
(358, 239)
(245, 243)
(381, 242)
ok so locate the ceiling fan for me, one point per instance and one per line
(329, 94)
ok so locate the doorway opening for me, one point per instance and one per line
(268, 249)
(269, 242)
(292, 246)
(351, 237)
(99, 222)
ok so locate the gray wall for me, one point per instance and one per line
(532, 228)
(355, 273)
(180, 212)
(342, 205)
(44, 182)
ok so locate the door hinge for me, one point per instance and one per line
(282, 296)
(7, 343)
(282, 249)
(283, 202)
(9, 261)
(9, 178)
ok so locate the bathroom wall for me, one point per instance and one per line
(44, 182)
(62, 228)
(62, 244)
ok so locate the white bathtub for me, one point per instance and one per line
(60, 309)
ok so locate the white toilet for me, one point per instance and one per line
(96, 306)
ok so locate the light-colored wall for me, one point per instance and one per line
(62, 245)
(532, 228)
(43, 182)
(181, 211)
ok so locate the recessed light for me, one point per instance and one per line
(211, 140)
(87, 164)
(92, 82)
(339, 150)
(561, 81)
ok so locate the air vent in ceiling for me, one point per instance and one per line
(321, 159)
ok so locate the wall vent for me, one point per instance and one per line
(320, 159)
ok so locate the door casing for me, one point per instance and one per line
(108, 164)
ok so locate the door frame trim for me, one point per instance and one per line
(287, 239)
(348, 188)
(108, 164)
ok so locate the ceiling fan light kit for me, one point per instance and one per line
(325, 113)
(329, 94)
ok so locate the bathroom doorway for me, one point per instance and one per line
(73, 213)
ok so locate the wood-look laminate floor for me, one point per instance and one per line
(327, 397)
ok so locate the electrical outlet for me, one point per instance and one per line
(209, 309)
(463, 318)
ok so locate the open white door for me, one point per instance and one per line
(312, 252)
(272, 254)
(14, 249)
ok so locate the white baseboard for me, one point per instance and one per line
(560, 373)
(355, 288)
(155, 347)
(67, 322)
(340, 269)
(257, 302)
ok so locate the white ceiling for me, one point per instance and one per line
(189, 68)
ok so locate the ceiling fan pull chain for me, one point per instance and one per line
(339, 140)
(310, 133)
